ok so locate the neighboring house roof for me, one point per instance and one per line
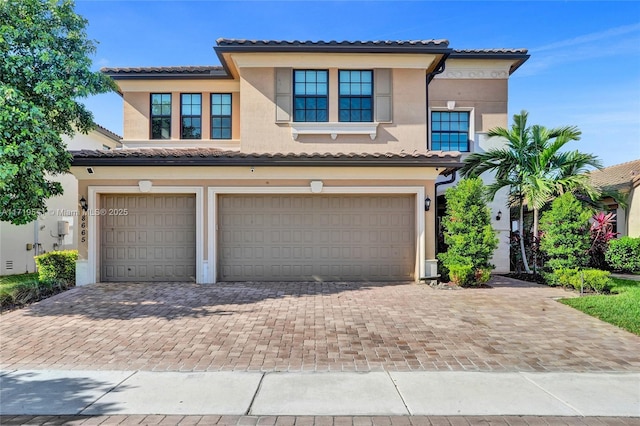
(618, 177)
(448, 160)
(224, 45)
(108, 133)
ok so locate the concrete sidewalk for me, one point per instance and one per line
(55, 392)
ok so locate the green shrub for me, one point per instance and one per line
(461, 273)
(588, 279)
(482, 275)
(597, 280)
(623, 254)
(57, 267)
(565, 234)
(468, 234)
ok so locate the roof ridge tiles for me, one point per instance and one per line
(243, 42)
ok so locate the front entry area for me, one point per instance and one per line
(316, 237)
(148, 237)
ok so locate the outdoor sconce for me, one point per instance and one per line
(427, 204)
(83, 204)
(499, 215)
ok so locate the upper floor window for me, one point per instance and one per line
(190, 115)
(220, 116)
(310, 90)
(356, 95)
(161, 116)
(450, 131)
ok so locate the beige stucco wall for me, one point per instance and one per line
(260, 132)
(260, 177)
(487, 98)
(137, 110)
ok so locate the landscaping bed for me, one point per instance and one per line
(20, 290)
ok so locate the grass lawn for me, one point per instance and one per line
(621, 309)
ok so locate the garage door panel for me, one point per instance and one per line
(155, 241)
(319, 237)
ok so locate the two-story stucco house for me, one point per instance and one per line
(292, 161)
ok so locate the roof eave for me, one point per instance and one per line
(446, 164)
(517, 58)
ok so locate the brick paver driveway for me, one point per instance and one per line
(299, 327)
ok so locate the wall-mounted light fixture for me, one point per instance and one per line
(499, 215)
(84, 204)
(427, 204)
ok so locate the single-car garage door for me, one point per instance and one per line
(316, 237)
(148, 238)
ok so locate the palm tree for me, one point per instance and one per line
(533, 167)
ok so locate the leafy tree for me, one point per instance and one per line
(44, 70)
(565, 234)
(533, 167)
(467, 229)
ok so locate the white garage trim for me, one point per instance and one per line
(92, 224)
(213, 193)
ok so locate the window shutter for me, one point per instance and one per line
(383, 99)
(283, 95)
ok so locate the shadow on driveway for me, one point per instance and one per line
(178, 300)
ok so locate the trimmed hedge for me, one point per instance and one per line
(589, 279)
(623, 254)
(57, 266)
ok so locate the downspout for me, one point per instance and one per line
(435, 202)
(438, 70)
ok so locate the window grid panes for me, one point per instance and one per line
(310, 89)
(161, 116)
(191, 115)
(356, 96)
(450, 131)
(220, 116)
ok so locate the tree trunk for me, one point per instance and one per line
(535, 244)
(522, 249)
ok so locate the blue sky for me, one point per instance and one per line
(584, 68)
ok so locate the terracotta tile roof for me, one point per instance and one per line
(185, 71)
(215, 156)
(309, 43)
(619, 176)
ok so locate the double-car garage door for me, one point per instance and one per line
(316, 237)
(262, 238)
